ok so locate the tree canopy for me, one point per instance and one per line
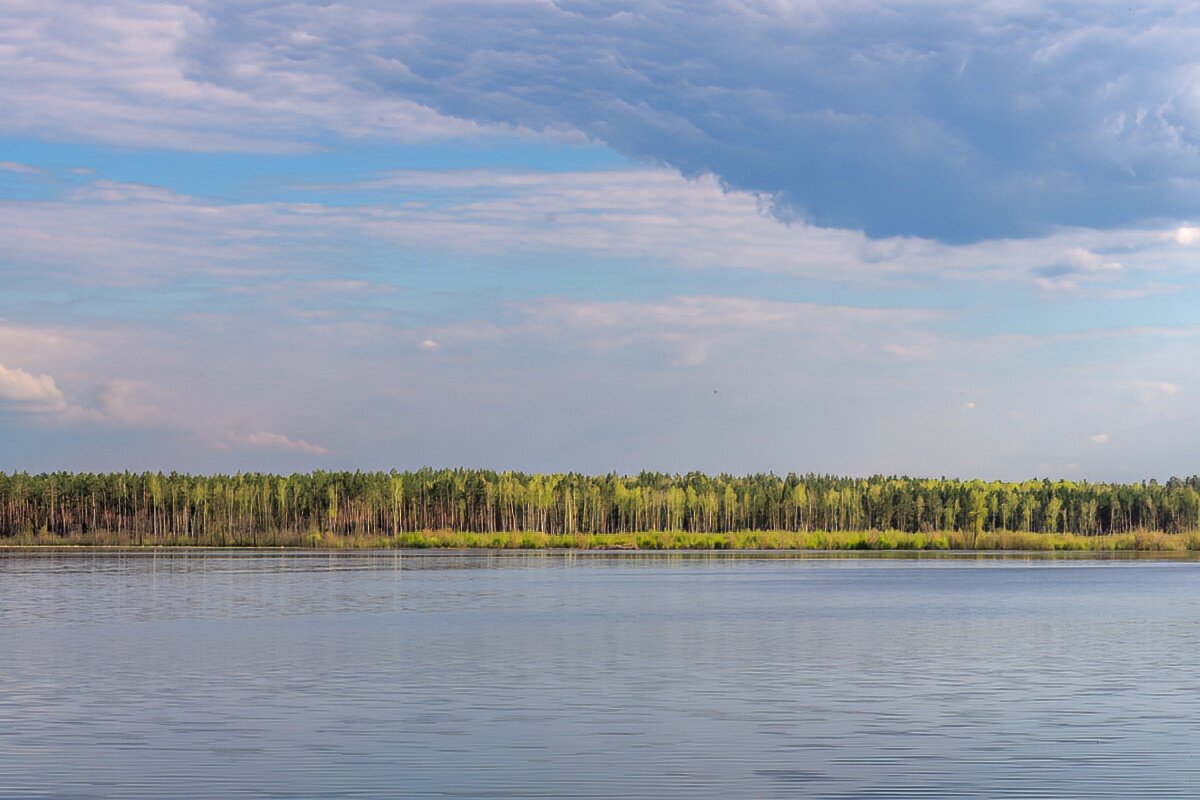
(154, 506)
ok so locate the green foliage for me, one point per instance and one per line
(650, 510)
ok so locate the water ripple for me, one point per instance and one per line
(364, 675)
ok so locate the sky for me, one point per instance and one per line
(855, 237)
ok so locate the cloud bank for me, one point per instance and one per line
(957, 121)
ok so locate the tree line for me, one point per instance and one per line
(152, 506)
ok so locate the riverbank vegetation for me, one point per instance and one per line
(1141, 541)
(482, 508)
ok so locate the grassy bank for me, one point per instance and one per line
(1149, 541)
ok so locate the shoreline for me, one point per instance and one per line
(849, 543)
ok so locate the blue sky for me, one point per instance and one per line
(926, 238)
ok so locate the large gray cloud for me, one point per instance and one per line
(953, 120)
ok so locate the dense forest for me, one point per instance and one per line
(253, 507)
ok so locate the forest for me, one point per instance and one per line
(326, 507)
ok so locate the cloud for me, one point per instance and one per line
(625, 384)
(1078, 260)
(905, 350)
(127, 234)
(25, 391)
(1155, 397)
(131, 403)
(1099, 438)
(88, 401)
(119, 72)
(1187, 234)
(124, 234)
(118, 402)
(957, 121)
(1065, 271)
(50, 346)
(691, 331)
(73, 385)
(108, 191)
(1155, 389)
(267, 440)
(20, 169)
(954, 121)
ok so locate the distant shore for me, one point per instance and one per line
(896, 541)
(479, 508)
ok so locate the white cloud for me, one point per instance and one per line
(28, 392)
(1187, 234)
(107, 191)
(627, 384)
(692, 330)
(130, 403)
(1154, 397)
(1083, 260)
(127, 73)
(117, 402)
(87, 396)
(1066, 271)
(123, 234)
(267, 440)
(654, 214)
(1156, 388)
(50, 346)
(21, 169)
(906, 350)
(1099, 438)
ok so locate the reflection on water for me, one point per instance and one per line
(204, 674)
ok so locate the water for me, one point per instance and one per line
(540, 675)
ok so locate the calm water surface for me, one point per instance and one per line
(540, 675)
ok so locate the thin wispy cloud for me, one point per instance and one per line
(268, 440)
(120, 73)
(20, 169)
(108, 231)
